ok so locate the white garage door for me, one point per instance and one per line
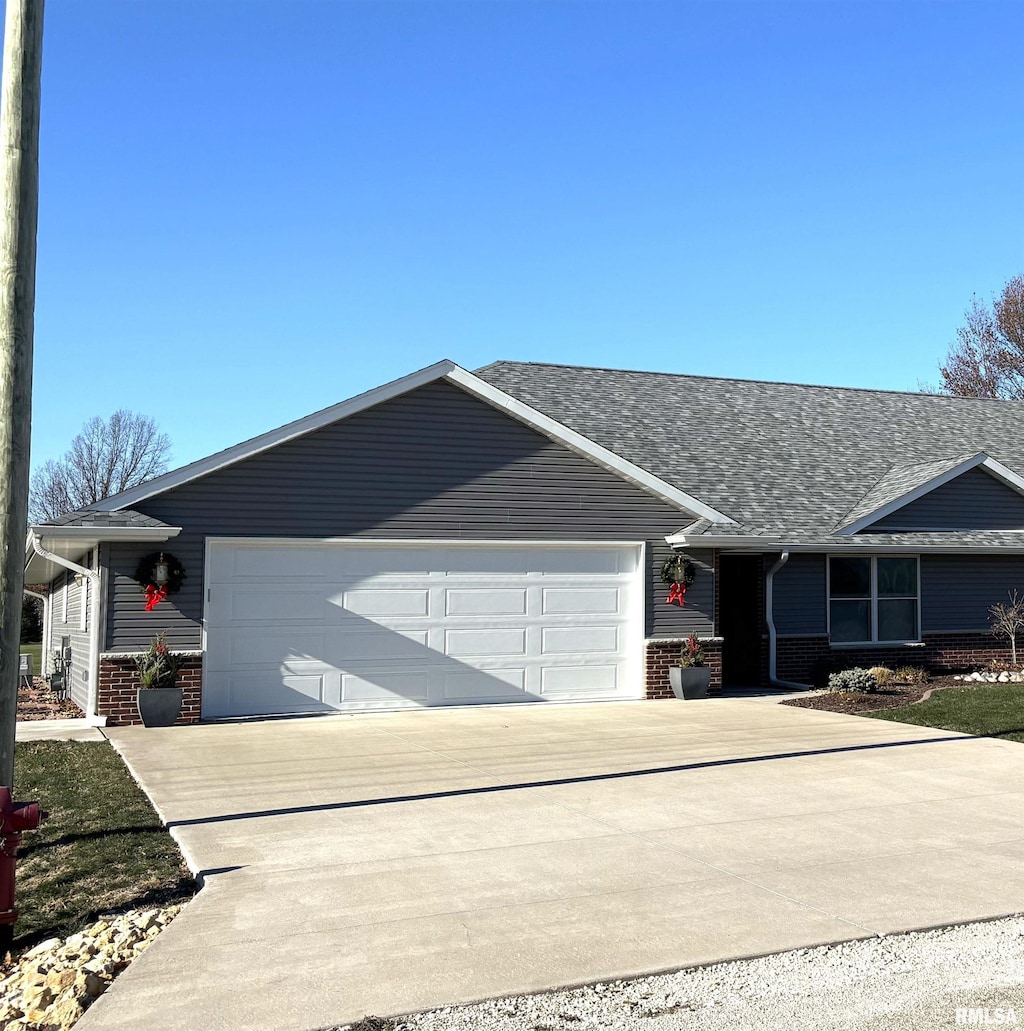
(312, 626)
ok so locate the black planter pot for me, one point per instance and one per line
(690, 681)
(159, 706)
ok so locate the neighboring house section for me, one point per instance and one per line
(454, 538)
(69, 632)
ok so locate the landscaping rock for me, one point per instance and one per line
(51, 985)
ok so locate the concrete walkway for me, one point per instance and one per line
(57, 730)
(388, 863)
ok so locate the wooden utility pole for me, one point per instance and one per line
(19, 202)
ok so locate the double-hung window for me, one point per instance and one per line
(873, 599)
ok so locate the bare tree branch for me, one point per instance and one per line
(987, 359)
(105, 458)
(1008, 621)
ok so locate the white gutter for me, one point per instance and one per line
(865, 548)
(722, 541)
(45, 647)
(769, 585)
(94, 623)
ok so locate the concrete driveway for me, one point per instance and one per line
(388, 863)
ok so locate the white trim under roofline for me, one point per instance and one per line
(777, 544)
(762, 542)
(142, 534)
(980, 460)
(441, 370)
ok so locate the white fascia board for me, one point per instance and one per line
(96, 534)
(707, 540)
(925, 488)
(584, 445)
(908, 549)
(1001, 472)
(265, 441)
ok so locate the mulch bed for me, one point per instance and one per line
(40, 703)
(889, 697)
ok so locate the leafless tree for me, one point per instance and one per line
(107, 457)
(1008, 621)
(987, 359)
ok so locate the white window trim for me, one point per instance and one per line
(873, 640)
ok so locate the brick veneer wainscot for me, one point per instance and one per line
(659, 656)
(119, 686)
(939, 653)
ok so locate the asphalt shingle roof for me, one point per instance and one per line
(900, 480)
(90, 517)
(783, 458)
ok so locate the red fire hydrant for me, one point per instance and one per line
(15, 817)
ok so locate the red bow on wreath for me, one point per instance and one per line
(154, 595)
(677, 595)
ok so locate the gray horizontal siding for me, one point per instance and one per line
(958, 590)
(799, 596)
(973, 501)
(78, 682)
(697, 615)
(432, 463)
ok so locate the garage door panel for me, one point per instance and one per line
(471, 643)
(498, 685)
(485, 561)
(582, 562)
(378, 643)
(385, 688)
(385, 602)
(485, 601)
(366, 561)
(262, 693)
(567, 640)
(259, 561)
(579, 681)
(262, 647)
(583, 601)
(267, 604)
(396, 626)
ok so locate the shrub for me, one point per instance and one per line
(856, 679)
(911, 675)
(691, 653)
(882, 675)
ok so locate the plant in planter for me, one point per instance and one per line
(691, 678)
(159, 697)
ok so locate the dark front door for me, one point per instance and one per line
(741, 618)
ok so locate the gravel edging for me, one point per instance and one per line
(904, 981)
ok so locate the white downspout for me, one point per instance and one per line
(772, 635)
(93, 577)
(45, 646)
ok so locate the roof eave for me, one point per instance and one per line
(722, 541)
(72, 542)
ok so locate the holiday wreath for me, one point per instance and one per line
(146, 574)
(678, 572)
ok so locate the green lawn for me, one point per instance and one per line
(102, 849)
(36, 651)
(996, 710)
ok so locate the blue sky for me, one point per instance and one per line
(252, 210)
